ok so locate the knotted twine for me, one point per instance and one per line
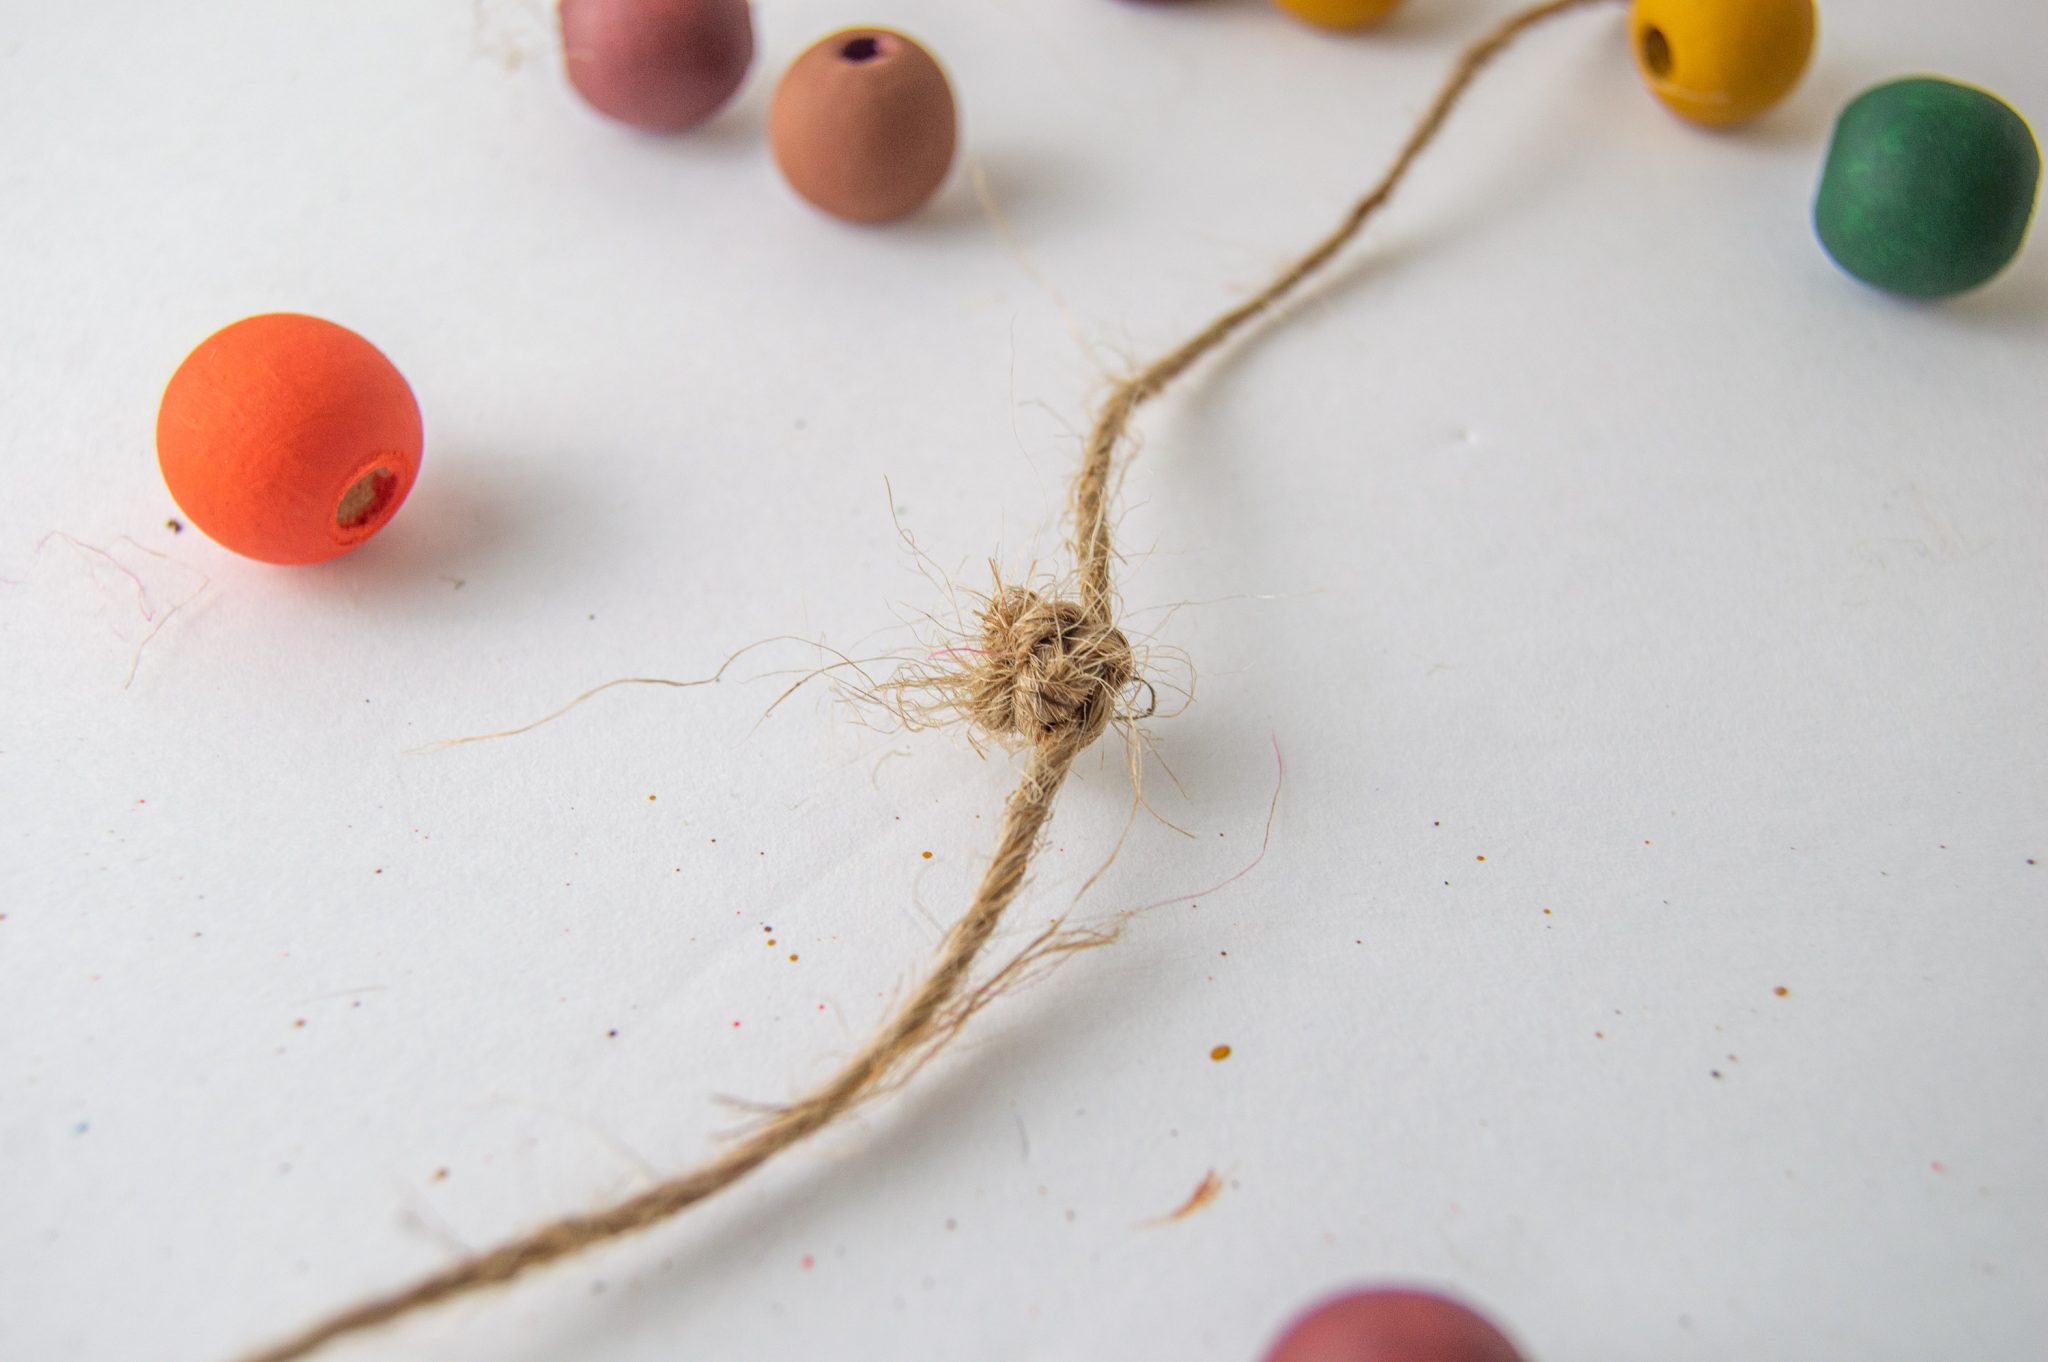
(1047, 678)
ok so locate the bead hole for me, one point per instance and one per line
(1656, 52)
(861, 49)
(366, 499)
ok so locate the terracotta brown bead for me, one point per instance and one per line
(660, 65)
(863, 125)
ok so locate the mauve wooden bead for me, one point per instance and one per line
(661, 65)
(863, 125)
(1392, 1326)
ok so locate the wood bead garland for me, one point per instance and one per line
(1928, 187)
(288, 439)
(863, 125)
(1719, 62)
(828, 123)
(659, 65)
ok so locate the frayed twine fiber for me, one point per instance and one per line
(1047, 679)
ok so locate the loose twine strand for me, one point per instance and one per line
(1046, 677)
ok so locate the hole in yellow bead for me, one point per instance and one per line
(861, 49)
(1656, 52)
(365, 499)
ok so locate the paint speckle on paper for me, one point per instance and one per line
(927, 855)
(1782, 991)
(1206, 1191)
(1220, 1053)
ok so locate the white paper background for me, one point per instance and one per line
(1586, 521)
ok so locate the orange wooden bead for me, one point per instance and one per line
(287, 438)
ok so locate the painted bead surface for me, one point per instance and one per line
(1339, 13)
(1928, 188)
(863, 125)
(1721, 61)
(287, 438)
(1392, 1326)
(661, 65)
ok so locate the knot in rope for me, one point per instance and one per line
(1047, 669)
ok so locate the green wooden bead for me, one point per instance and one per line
(1928, 187)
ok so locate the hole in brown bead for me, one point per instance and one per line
(1657, 52)
(365, 499)
(861, 49)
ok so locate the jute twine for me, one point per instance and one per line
(1046, 678)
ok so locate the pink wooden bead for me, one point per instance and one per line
(661, 65)
(1392, 1326)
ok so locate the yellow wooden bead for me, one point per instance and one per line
(1339, 13)
(1720, 61)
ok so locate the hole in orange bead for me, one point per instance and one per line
(861, 49)
(366, 499)
(1656, 52)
